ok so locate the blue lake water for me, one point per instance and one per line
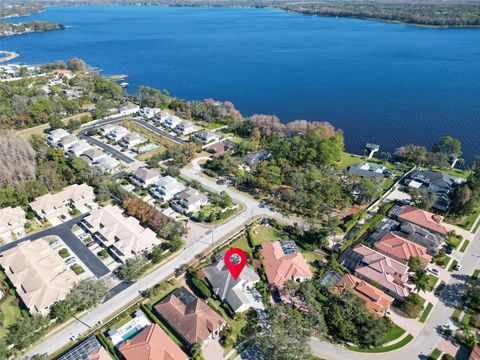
(383, 83)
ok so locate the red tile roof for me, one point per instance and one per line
(152, 343)
(376, 301)
(280, 268)
(402, 249)
(423, 218)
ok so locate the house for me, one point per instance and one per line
(189, 316)
(59, 204)
(387, 274)
(92, 155)
(402, 250)
(217, 149)
(256, 157)
(185, 128)
(152, 343)
(72, 94)
(79, 148)
(436, 182)
(166, 188)
(475, 354)
(117, 133)
(422, 218)
(90, 349)
(376, 301)
(283, 262)
(107, 164)
(134, 324)
(189, 200)
(124, 235)
(56, 135)
(369, 170)
(171, 121)
(12, 220)
(128, 109)
(131, 140)
(145, 177)
(38, 274)
(207, 136)
(432, 242)
(240, 293)
(67, 142)
(148, 112)
(107, 129)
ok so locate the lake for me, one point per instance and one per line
(383, 83)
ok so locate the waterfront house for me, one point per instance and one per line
(149, 113)
(207, 136)
(128, 109)
(239, 294)
(38, 273)
(376, 301)
(145, 177)
(369, 170)
(256, 157)
(185, 128)
(166, 188)
(189, 316)
(283, 262)
(171, 121)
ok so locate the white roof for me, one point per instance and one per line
(11, 218)
(75, 193)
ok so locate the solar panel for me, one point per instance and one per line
(82, 350)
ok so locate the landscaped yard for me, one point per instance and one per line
(426, 312)
(9, 307)
(77, 269)
(394, 333)
(452, 265)
(432, 280)
(435, 354)
(64, 253)
(241, 243)
(392, 347)
(147, 155)
(468, 221)
(262, 234)
(475, 275)
(465, 246)
(442, 261)
(347, 160)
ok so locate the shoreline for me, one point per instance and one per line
(8, 55)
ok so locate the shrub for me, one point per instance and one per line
(412, 305)
(30, 215)
(11, 292)
(201, 287)
(64, 252)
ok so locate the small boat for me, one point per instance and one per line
(124, 84)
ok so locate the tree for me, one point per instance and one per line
(287, 335)
(17, 160)
(423, 197)
(421, 280)
(451, 146)
(133, 268)
(196, 352)
(26, 331)
(414, 263)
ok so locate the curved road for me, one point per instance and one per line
(428, 338)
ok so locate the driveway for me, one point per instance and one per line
(212, 350)
(118, 154)
(64, 232)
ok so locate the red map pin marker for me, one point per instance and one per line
(235, 260)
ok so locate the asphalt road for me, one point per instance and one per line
(118, 154)
(251, 209)
(64, 232)
(428, 338)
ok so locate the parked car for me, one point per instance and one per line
(449, 250)
(221, 182)
(54, 243)
(90, 244)
(70, 260)
(433, 271)
(457, 267)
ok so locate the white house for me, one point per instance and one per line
(128, 109)
(67, 142)
(189, 200)
(171, 121)
(107, 163)
(118, 133)
(107, 129)
(166, 188)
(148, 112)
(131, 140)
(79, 148)
(56, 135)
(12, 220)
(92, 155)
(145, 177)
(207, 136)
(185, 128)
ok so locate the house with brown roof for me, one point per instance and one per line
(12, 220)
(475, 354)
(388, 274)
(376, 301)
(152, 343)
(189, 316)
(38, 274)
(283, 262)
(402, 249)
(422, 218)
(123, 235)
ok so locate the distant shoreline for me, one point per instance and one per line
(9, 55)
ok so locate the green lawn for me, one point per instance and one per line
(392, 347)
(387, 183)
(442, 261)
(452, 265)
(468, 221)
(241, 243)
(262, 234)
(394, 333)
(432, 280)
(347, 160)
(456, 172)
(434, 355)
(10, 313)
(466, 318)
(454, 241)
(312, 257)
(458, 310)
(465, 245)
(147, 155)
(426, 312)
(475, 275)
(440, 287)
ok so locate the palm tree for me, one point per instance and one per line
(420, 278)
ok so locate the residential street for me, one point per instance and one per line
(64, 232)
(428, 338)
(251, 209)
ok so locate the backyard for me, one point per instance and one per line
(9, 306)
